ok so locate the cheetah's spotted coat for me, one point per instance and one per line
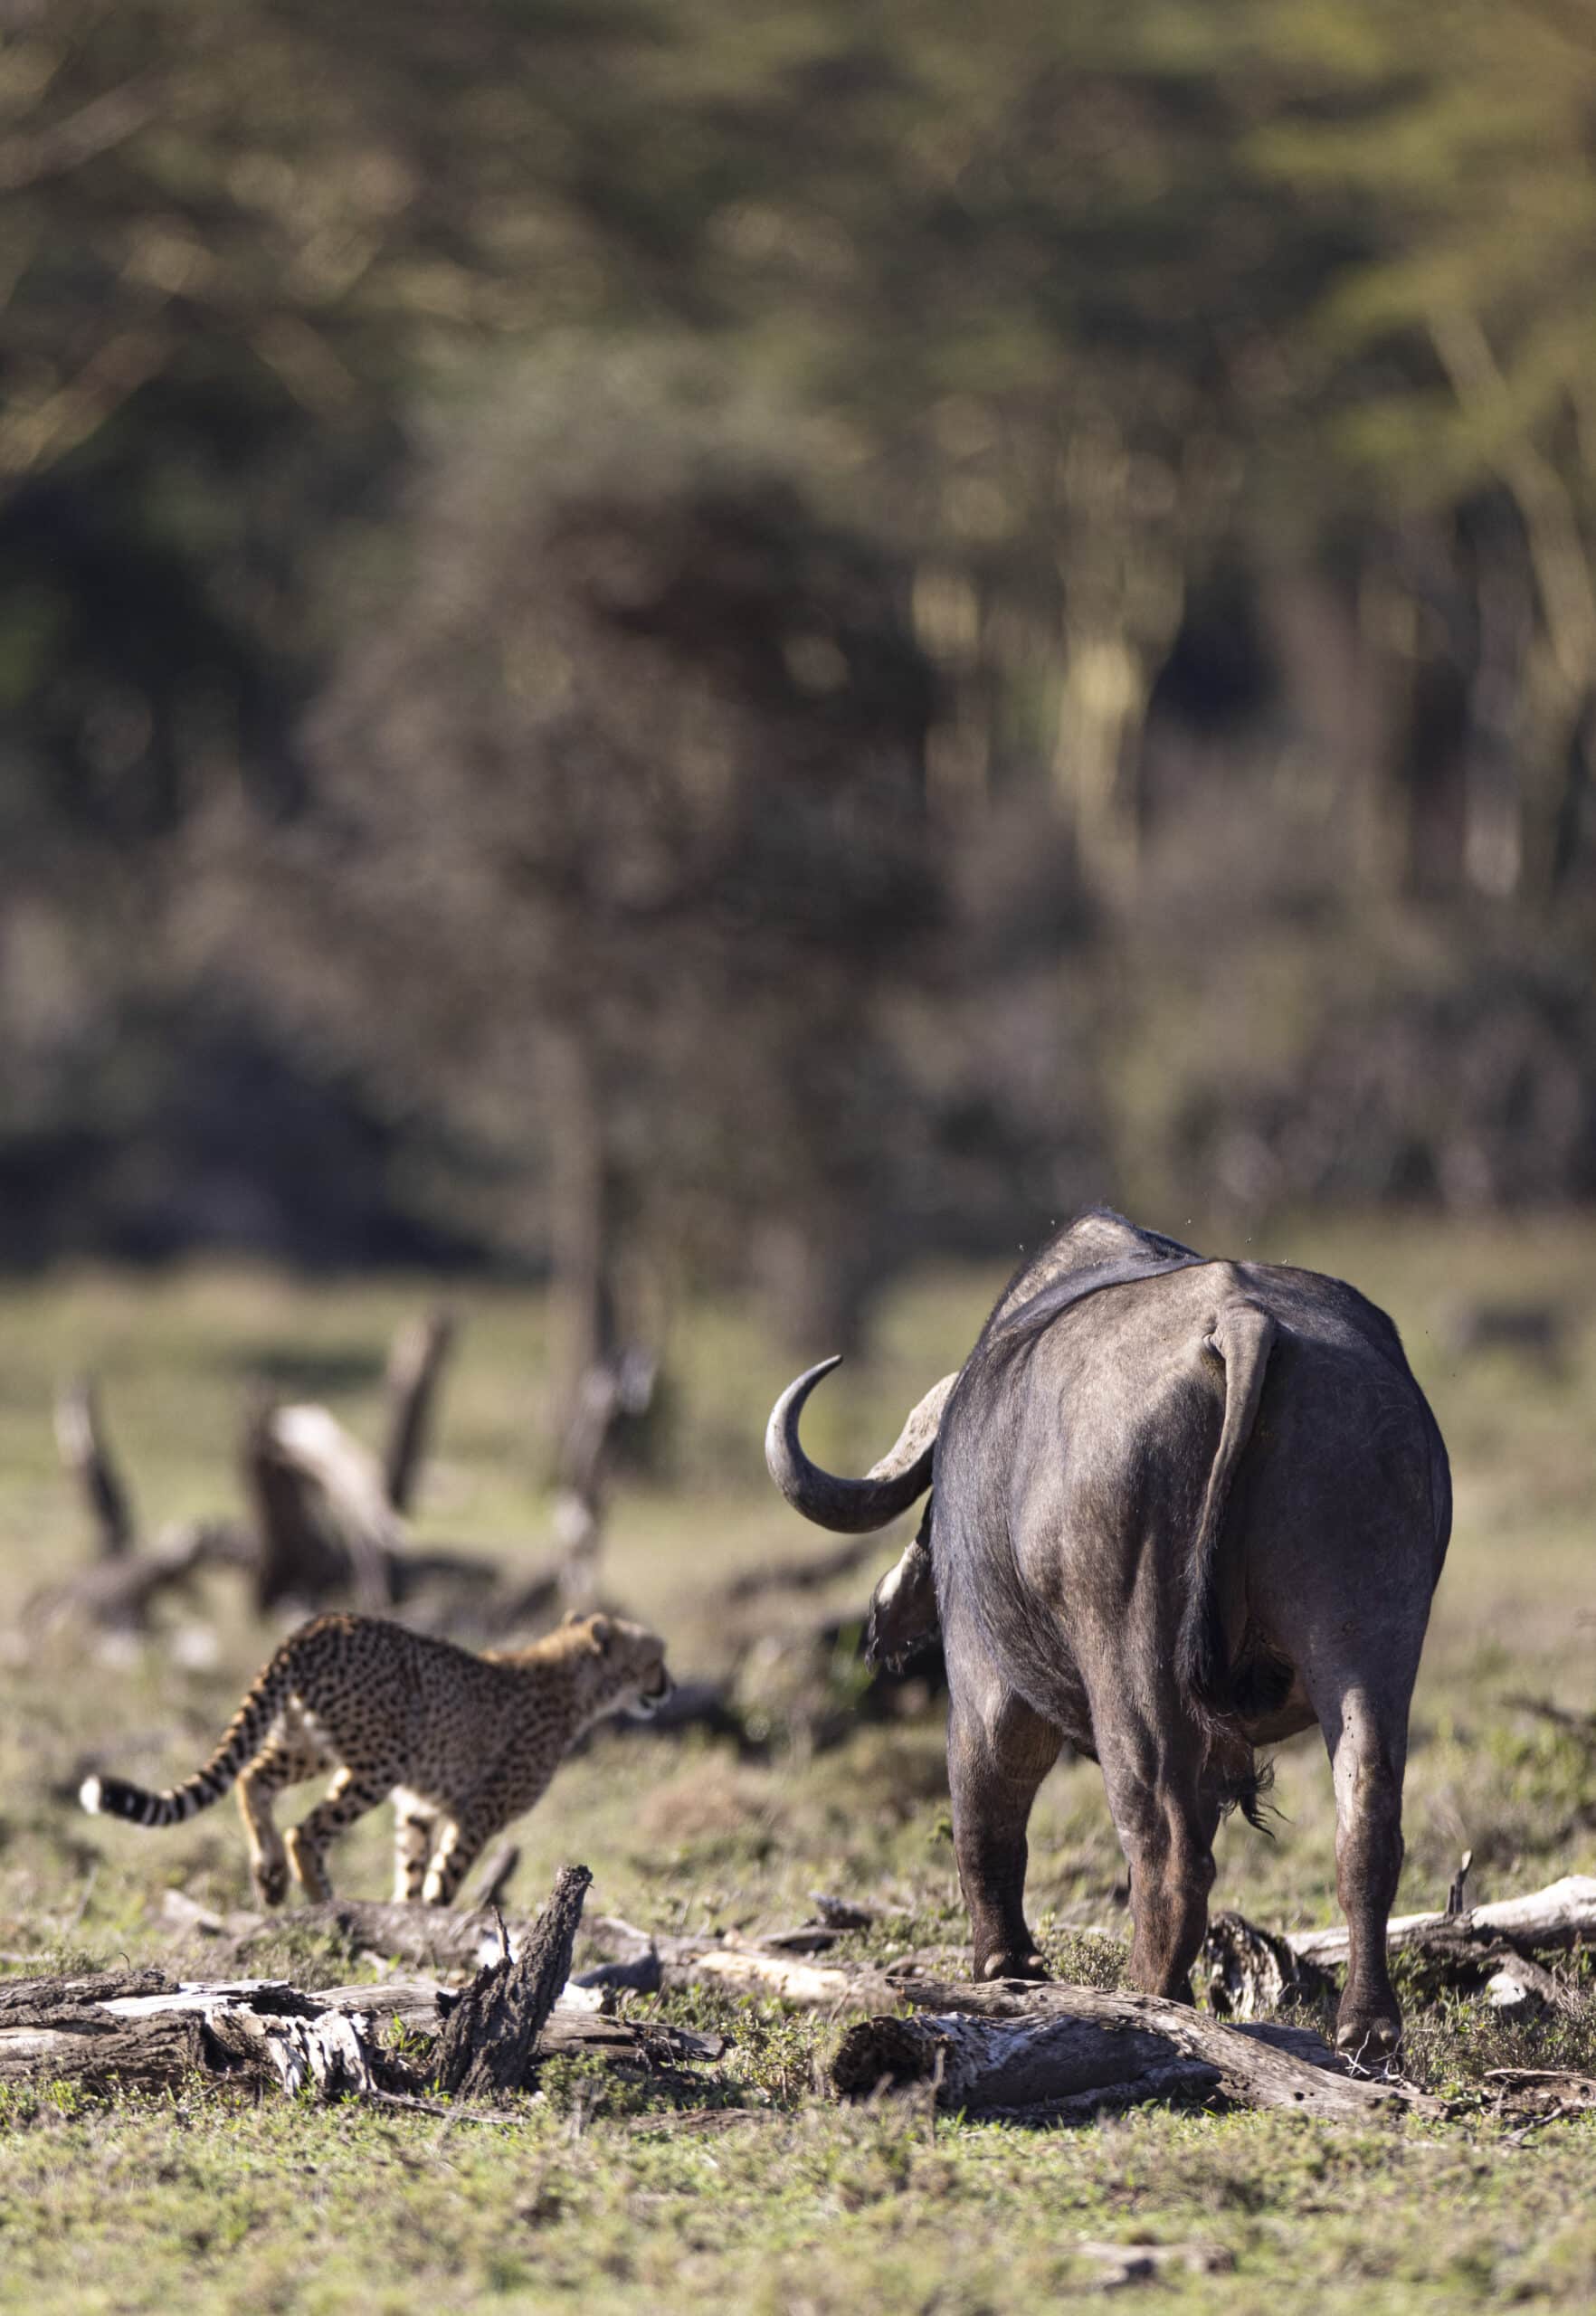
(462, 1743)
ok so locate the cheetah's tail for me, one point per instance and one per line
(113, 1796)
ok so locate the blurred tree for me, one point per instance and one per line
(1128, 509)
(617, 834)
(1463, 141)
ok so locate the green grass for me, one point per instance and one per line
(599, 2192)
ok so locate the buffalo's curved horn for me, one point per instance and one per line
(852, 1507)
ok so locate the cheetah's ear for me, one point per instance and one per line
(571, 1617)
(603, 1632)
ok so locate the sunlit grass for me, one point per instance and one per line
(136, 2205)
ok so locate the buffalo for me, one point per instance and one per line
(1179, 1509)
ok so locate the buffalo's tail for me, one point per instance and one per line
(1242, 1337)
(113, 1796)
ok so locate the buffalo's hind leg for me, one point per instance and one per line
(998, 1754)
(1165, 1803)
(1368, 1745)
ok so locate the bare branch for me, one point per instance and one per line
(414, 1365)
(81, 1441)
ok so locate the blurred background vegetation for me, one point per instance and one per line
(675, 644)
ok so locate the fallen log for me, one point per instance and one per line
(746, 1966)
(145, 2030)
(810, 1574)
(1548, 1921)
(1252, 1973)
(1063, 2051)
(118, 1593)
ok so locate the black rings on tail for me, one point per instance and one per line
(114, 1797)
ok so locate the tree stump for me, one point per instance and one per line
(493, 2029)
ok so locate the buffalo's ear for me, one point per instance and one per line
(603, 1633)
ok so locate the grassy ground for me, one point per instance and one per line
(769, 2200)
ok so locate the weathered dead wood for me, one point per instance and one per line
(430, 1938)
(1516, 1982)
(119, 1594)
(614, 1389)
(1063, 2049)
(1544, 1921)
(22, 1999)
(492, 2031)
(144, 2029)
(105, 2033)
(644, 1975)
(1250, 1973)
(810, 1574)
(326, 1528)
(84, 1450)
(100, 2052)
(747, 1966)
(116, 1591)
(572, 2028)
(496, 1875)
(414, 1365)
(299, 1559)
(328, 1531)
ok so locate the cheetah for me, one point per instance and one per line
(462, 1743)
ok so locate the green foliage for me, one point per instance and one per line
(1038, 589)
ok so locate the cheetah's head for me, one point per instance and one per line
(623, 1665)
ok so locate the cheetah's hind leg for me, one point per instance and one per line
(285, 1760)
(415, 1826)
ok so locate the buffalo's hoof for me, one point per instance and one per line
(1369, 2041)
(1012, 1966)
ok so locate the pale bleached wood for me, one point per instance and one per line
(1543, 1921)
